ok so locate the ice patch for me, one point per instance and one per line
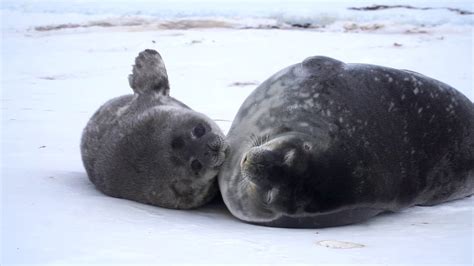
(339, 244)
(186, 14)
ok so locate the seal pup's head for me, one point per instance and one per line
(174, 155)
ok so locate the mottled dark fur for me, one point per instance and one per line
(362, 139)
(151, 148)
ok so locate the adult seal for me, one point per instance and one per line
(150, 147)
(324, 143)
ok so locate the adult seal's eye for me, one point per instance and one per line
(307, 147)
(196, 165)
(199, 131)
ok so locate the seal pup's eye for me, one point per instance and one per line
(177, 143)
(196, 165)
(199, 131)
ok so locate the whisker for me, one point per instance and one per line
(256, 141)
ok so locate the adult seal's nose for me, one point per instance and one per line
(260, 157)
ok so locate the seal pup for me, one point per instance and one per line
(324, 143)
(151, 148)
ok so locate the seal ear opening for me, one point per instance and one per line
(149, 74)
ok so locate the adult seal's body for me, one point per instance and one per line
(151, 148)
(323, 143)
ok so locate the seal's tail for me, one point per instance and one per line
(149, 74)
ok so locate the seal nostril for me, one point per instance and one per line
(196, 165)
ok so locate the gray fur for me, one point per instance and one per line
(143, 146)
(324, 143)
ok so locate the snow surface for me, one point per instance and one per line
(52, 82)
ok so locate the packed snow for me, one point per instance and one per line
(54, 78)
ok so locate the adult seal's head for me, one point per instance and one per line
(151, 148)
(276, 170)
(324, 143)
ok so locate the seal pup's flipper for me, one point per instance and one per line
(149, 74)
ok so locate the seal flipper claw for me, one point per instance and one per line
(149, 74)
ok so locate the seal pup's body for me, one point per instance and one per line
(150, 147)
(323, 143)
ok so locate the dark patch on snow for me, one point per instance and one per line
(382, 7)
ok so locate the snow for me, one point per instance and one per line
(52, 82)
